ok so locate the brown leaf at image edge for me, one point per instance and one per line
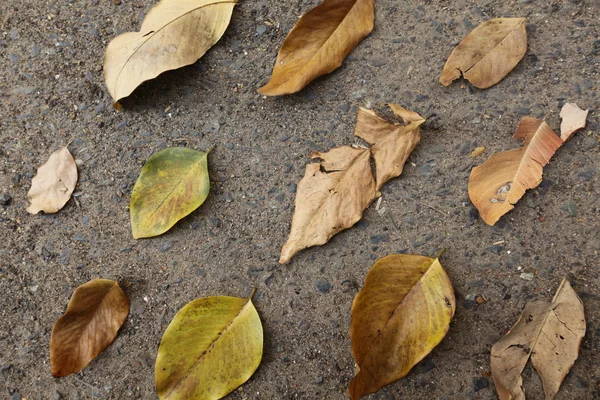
(549, 334)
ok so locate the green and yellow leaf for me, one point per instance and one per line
(172, 184)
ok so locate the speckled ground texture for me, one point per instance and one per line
(53, 95)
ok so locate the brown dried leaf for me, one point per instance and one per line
(403, 312)
(95, 313)
(319, 43)
(53, 184)
(392, 143)
(497, 184)
(330, 198)
(548, 333)
(487, 54)
(573, 119)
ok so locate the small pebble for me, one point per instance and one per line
(116, 2)
(5, 199)
(323, 286)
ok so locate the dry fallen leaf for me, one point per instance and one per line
(573, 119)
(497, 184)
(319, 43)
(548, 333)
(53, 184)
(392, 143)
(477, 152)
(330, 198)
(398, 317)
(487, 54)
(95, 313)
(175, 33)
(211, 347)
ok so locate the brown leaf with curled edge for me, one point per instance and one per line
(392, 143)
(497, 184)
(487, 54)
(401, 314)
(53, 184)
(330, 198)
(319, 43)
(549, 334)
(95, 313)
(573, 119)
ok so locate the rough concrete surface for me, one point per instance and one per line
(53, 94)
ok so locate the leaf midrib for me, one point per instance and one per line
(160, 29)
(208, 349)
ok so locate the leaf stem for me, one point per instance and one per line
(440, 252)
(252, 294)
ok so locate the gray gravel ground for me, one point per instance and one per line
(53, 94)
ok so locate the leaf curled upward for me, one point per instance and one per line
(330, 198)
(319, 43)
(487, 54)
(95, 313)
(175, 33)
(391, 143)
(549, 334)
(212, 346)
(402, 312)
(497, 184)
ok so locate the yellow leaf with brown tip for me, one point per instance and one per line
(487, 54)
(402, 313)
(330, 198)
(391, 143)
(319, 43)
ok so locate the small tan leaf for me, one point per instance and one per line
(172, 184)
(53, 184)
(398, 317)
(497, 184)
(95, 313)
(319, 43)
(212, 346)
(487, 54)
(330, 198)
(392, 143)
(548, 333)
(573, 119)
(175, 33)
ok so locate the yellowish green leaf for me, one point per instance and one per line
(212, 346)
(398, 317)
(172, 184)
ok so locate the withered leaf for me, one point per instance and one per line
(175, 33)
(487, 54)
(547, 333)
(403, 312)
(497, 184)
(95, 313)
(573, 119)
(392, 143)
(330, 198)
(53, 184)
(319, 43)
